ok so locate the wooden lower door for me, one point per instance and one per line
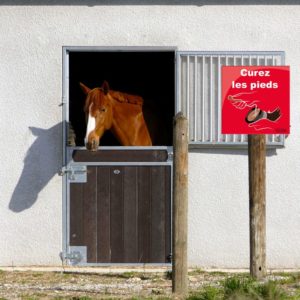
(122, 214)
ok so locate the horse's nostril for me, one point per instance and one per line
(88, 146)
(92, 145)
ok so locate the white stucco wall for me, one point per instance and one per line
(31, 88)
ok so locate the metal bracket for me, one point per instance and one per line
(170, 156)
(75, 173)
(76, 255)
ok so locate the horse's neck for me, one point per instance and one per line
(129, 126)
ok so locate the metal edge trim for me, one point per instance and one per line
(120, 48)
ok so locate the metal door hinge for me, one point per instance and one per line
(75, 173)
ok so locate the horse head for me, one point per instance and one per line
(98, 111)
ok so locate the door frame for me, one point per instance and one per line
(68, 163)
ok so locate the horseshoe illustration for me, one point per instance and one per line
(256, 114)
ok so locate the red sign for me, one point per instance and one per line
(255, 100)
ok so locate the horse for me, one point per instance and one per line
(118, 112)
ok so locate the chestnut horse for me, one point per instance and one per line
(119, 112)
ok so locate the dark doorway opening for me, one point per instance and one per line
(150, 75)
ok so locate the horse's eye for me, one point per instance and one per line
(103, 109)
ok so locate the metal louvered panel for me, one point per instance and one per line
(199, 94)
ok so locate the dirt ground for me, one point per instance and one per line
(57, 285)
(29, 285)
(61, 285)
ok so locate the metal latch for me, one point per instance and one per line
(75, 173)
(170, 156)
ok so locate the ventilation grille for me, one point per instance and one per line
(199, 94)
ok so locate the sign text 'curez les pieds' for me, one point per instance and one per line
(255, 100)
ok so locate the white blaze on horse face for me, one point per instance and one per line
(91, 125)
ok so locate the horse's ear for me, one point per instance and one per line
(84, 88)
(105, 87)
(37, 131)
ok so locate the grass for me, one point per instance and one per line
(287, 278)
(168, 275)
(149, 298)
(247, 288)
(217, 273)
(236, 284)
(241, 287)
(197, 271)
(29, 298)
(203, 286)
(38, 274)
(73, 298)
(207, 293)
(125, 275)
(81, 298)
(129, 275)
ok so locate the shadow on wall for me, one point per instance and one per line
(43, 160)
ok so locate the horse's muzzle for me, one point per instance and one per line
(92, 146)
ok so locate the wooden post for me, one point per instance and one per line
(257, 197)
(180, 205)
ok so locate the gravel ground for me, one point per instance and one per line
(29, 285)
(128, 285)
(49, 285)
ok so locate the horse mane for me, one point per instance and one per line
(126, 98)
(118, 96)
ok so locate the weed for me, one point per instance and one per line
(168, 275)
(106, 291)
(149, 298)
(208, 293)
(37, 274)
(81, 298)
(271, 290)
(67, 275)
(197, 271)
(125, 275)
(236, 288)
(146, 277)
(128, 275)
(30, 298)
(236, 284)
(289, 278)
(217, 273)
